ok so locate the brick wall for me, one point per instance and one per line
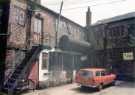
(19, 28)
(50, 19)
(17, 39)
(48, 34)
(13, 59)
(17, 25)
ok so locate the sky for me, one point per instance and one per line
(101, 9)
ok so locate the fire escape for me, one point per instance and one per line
(17, 80)
(20, 75)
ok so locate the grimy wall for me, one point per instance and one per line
(49, 20)
(114, 43)
(29, 26)
(17, 29)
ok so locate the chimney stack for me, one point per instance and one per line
(88, 17)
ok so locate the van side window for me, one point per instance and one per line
(103, 73)
(98, 73)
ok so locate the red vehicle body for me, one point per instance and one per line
(94, 77)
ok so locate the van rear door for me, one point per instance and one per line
(86, 77)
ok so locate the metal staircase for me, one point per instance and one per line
(22, 71)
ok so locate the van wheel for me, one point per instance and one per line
(100, 87)
(83, 87)
(113, 83)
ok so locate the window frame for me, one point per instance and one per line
(47, 61)
(98, 74)
(37, 18)
(18, 14)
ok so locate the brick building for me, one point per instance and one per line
(113, 41)
(31, 24)
(36, 27)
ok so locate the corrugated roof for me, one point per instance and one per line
(116, 18)
(93, 69)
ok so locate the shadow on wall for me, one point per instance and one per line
(73, 45)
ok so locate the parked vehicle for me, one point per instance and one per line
(94, 77)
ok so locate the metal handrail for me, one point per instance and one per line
(26, 68)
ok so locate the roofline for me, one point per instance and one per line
(116, 18)
(54, 13)
(93, 69)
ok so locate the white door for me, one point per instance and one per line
(43, 66)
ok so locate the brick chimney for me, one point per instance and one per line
(88, 18)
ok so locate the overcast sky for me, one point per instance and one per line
(101, 9)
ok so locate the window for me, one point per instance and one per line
(37, 25)
(103, 73)
(87, 74)
(116, 32)
(98, 73)
(20, 16)
(44, 60)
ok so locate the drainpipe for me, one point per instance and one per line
(28, 34)
(57, 29)
(56, 34)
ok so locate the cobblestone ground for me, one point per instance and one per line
(121, 88)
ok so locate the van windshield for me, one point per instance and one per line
(85, 73)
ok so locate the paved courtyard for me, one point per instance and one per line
(121, 88)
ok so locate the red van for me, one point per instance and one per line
(94, 77)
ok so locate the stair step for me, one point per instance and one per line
(20, 67)
(9, 85)
(12, 80)
(18, 71)
(6, 89)
(15, 76)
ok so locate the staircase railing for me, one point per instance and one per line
(24, 73)
(26, 66)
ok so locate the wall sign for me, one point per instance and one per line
(128, 56)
